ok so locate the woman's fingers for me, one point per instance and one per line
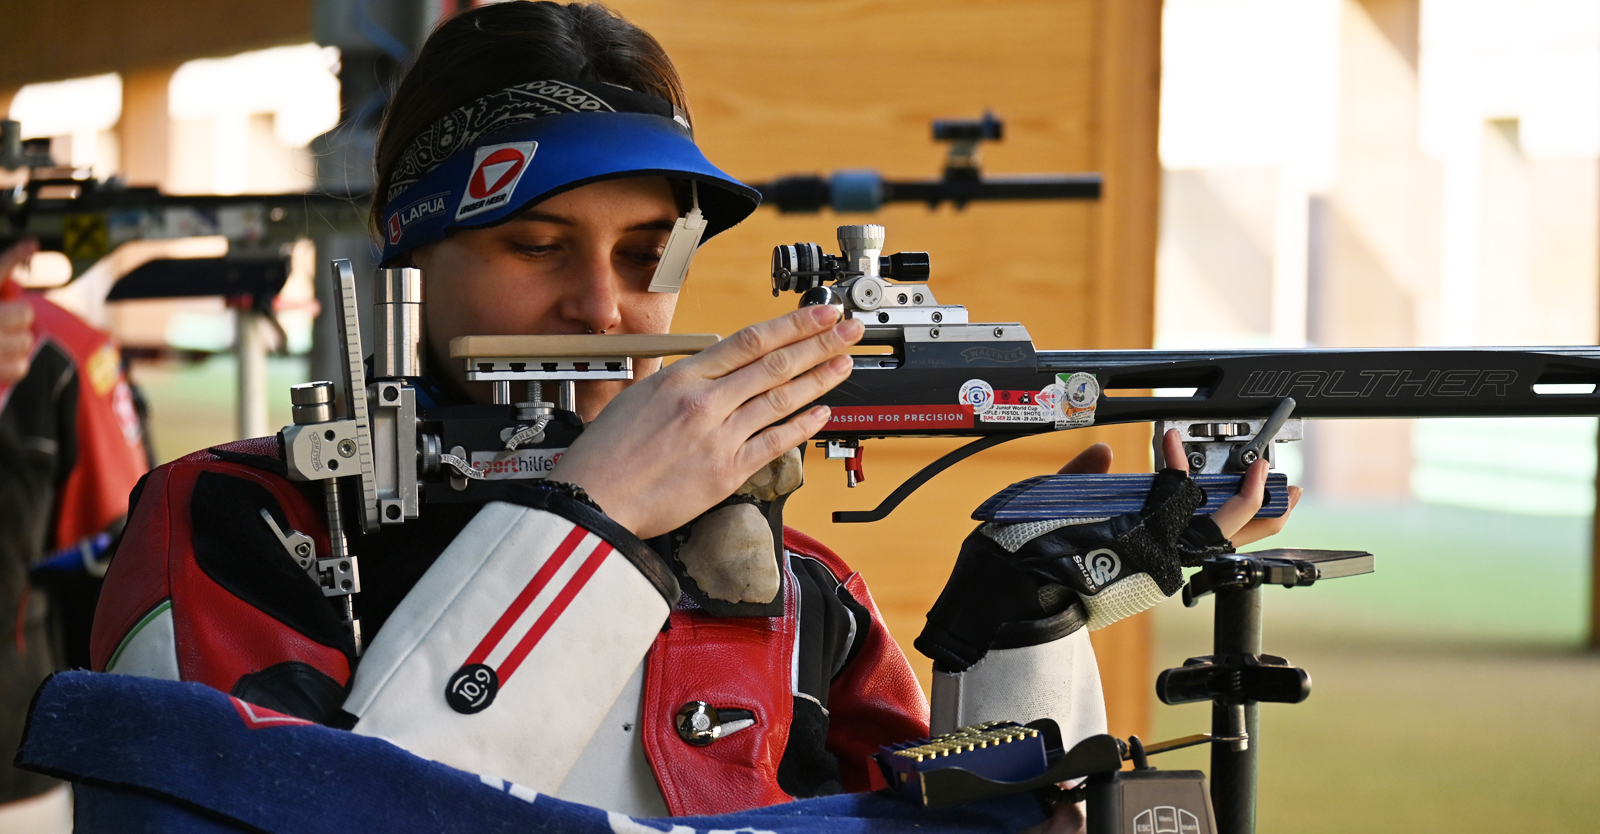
(758, 340)
(779, 402)
(1237, 511)
(790, 362)
(1172, 450)
(16, 339)
(1095, 460)
(765, 447)
(1259, 528)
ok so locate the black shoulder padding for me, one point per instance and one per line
(828, 616)
(265, 463)
(395, 556)
(863, 625)
(293, 688)
(236, 548)
(807, 768)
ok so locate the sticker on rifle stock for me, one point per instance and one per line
(1019, 407)
(522, 463)
(1080, 394)
(892, 417)
(976, 393)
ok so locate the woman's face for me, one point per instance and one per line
(578, 262)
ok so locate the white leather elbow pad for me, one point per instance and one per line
(508, 653)
(1058, 680)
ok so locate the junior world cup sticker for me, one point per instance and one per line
(1017, 407)
(496, 170)
(978, 394)
(1080, 393)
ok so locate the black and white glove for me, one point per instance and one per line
(1015, 584)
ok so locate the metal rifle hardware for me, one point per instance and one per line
(392, 451)
(945, 375)
(300, 547)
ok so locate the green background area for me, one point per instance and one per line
(1451, 692)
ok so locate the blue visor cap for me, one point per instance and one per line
(508, 170)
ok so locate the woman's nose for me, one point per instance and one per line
(594, 294)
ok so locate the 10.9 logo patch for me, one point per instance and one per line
(472, 688)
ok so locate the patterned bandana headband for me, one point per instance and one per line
(483, 163)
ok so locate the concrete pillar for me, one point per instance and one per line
(145, 128)
(1374, 252)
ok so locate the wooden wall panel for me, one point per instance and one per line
(794, 87)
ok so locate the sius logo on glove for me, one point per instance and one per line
(1103, 566)
(496, 170)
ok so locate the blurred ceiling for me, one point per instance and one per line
(96, 36)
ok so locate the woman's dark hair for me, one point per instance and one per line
(489, 48)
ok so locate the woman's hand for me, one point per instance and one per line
(16, 317)
(678, 441)
(1236, 517)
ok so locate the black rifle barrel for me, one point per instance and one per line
(919, 390)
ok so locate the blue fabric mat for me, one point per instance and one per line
(153, 755)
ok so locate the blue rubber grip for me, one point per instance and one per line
(1049, 497)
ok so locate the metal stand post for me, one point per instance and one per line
(250, 351)
(1237, 631)
(1236, 677)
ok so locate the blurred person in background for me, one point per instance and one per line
(533, 164)
(71, 447)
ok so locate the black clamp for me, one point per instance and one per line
(1248, 571)
(1234, 679)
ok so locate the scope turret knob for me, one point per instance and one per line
(861, 245)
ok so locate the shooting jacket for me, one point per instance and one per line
(202, 590)
(71, 446)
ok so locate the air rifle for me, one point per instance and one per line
(946, 375)
(69, 211)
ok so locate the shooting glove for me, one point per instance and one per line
(1015, 584)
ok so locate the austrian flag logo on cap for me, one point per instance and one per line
(496, 170)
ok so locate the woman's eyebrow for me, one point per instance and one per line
(534, 216)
